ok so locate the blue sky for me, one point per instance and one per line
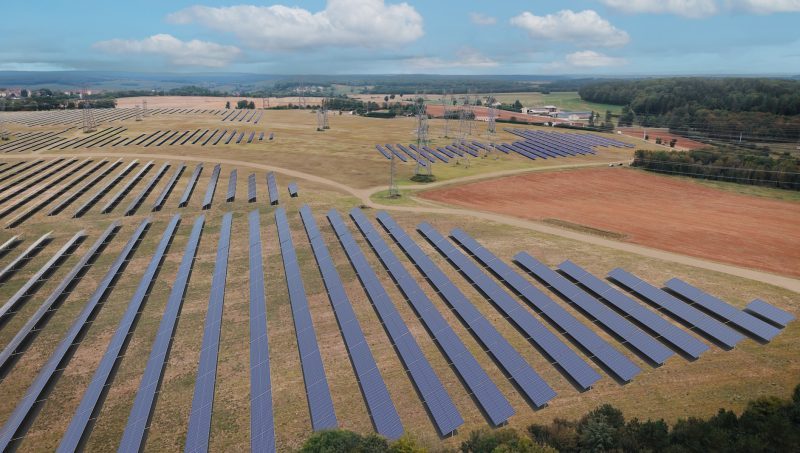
(592, 37)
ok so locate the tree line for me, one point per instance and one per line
(767, 424)
(755, 167)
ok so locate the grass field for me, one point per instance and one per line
(344, 155)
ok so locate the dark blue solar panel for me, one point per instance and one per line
(251, 188)
(262, 425)
(100, 193)
(30, 182)
(272, 188)
(382, 410)
(531, 384)
(292, 188)
(24, 257)
(134, 204)
(434, 395)
(660, 327)
(36, 322)
(686, 313)
(165, 192)
(579, 333)
(212, 187)
(112, 203)
(24, 411)
(92, 399)
(319, 396)
(588, 305)
(190, 137)
(578, 370)
(723, 310)
(134, 436)
(769, 312)
(203, 399)
(187, 193)
(28, 288)
(231, 195)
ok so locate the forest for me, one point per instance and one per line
(749, 109)
(767, 424)
(754, 167)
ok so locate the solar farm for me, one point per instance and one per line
(211, 279)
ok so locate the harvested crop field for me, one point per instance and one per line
(664, 135)
(652, 210)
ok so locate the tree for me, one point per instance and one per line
(386, 99)
(251, 105)
(518, 105)
(478, 103)
(24, 93)
(335, 441)
(228, 104)
(391, 96)
(591, 118)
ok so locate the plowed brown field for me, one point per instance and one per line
(648, 209)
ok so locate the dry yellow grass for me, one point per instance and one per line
(677, 389)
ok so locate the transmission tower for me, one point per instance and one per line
(138, 113)
(445, 114)
(301, 100)
(144, 108)
(3, 130)
(422, 136)
(89, 123)
(322, 117)
(491, 126)
(394, 192)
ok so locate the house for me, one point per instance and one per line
(547, 110)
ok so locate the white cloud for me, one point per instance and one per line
(190, 53)
(584, 27)
(686, 8)
(765, 6)
(592, 59)
(465, 58)
(482, 19)
(343, 23)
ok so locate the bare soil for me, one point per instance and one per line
(652, 210)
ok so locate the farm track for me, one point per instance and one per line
(364, 195)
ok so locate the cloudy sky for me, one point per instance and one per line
(412, 36)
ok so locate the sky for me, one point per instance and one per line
(576, 37)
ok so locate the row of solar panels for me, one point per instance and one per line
(50, 180)
(75, 116)
(638, 328)
(244, 115)
(425, 155)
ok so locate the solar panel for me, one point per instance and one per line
(187, 193)
(262, 425)
(133, 437)
(27, 198)
(36, 322)
(663, 329)
(678, 309)
(36, 393)
(212, 187)
(578, 370)
(203, 400)
(104, 190)
(381, 408)
(32, 182)
(320, 404)
(531, 384)
(427, 383)
(588, 305)
(557, 315)
(769, 313)
(292, 188)
(231, 195)
(24, 257)
(272, 188)
(92, 400)
(83, 189)
(134, 204)
(723, 310)
(190, 137)
(251, 188)
(109, 206)
(29, 288)
(9, 245)
(472, 374)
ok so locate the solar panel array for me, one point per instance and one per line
(319, 396)
(531, 384)
(474, 376)
(187, 193)
(203, 399)
(661, 328)
(578, 370)
(272, 187)
(251, 188)
(678, 309)
(548, 145)
(134, 204)
(769, 313)
(104, 190)
(262, 423)
(425, 380)
(167, 190)
(231, 193)
(101, 115)
(66, 202)
(103, 375)
(24, 257)
(379, 403)
(292, 188)
(212, 187)
(109, 206)
(24, 410)
(584, 337)
(134, 436)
